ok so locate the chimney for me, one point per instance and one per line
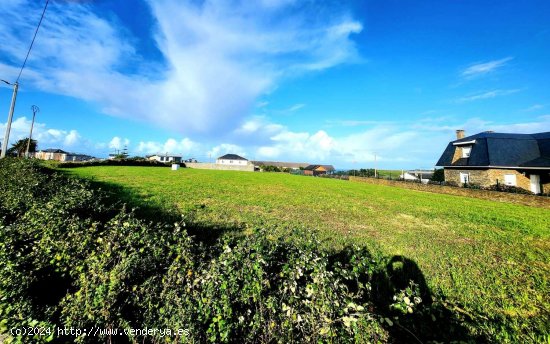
(459, 134)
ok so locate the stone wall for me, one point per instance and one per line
(209, 166)
(488, 177)
(530, 200)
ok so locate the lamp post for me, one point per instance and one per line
(34, 109)
(10, 117)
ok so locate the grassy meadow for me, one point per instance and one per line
(489, 261)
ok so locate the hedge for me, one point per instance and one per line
(69, 259)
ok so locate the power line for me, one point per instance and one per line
(30, 47)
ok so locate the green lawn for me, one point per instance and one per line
(490, 260)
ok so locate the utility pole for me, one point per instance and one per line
(375, 169)
(34, 109)
(16, 87)
(10, 117)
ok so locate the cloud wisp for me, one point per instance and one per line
(218, 57)
(487, 95)
(484, 68)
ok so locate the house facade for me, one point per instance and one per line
(165, 158)
(51, 154)
(315, 170)
(61, 155)
(489, 158)
(232, 160)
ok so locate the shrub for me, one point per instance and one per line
(508, 188)
(69, 260)
(271, 290)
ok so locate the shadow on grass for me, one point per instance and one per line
(430, 320)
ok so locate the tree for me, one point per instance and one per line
(20, 147)
(439, 175)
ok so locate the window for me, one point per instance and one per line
(510, 179)
(230, 161)
(466, 151)
(464, 178)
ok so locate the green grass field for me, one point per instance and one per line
(490, 260)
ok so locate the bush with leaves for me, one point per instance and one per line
(69, 260)
(270, 289)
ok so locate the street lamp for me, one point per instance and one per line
(34, 109)
(10, 117)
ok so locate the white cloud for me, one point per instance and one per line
(219, 57)
(258, 123)
(416, 144)
(184, 146)
(46, 137)
(118, 143)
(487, 95)
(228, 148)
(479, 69)
(72, 138)
(269, 152)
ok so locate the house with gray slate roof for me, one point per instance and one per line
(232, 160)
(488, 158)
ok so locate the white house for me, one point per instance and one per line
(423, 176)
(165, 158)
(232, 159)
(61, 155)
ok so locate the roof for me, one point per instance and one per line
(281, 164)
(502, 150)
(53, 150)
(328, 168)
(232, 157)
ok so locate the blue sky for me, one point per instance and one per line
(310, 81)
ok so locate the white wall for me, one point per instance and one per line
(408, 176)
(231, 162)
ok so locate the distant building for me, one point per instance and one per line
(315, 170)
(166, 158)
(423, 176)
(489, 158)
(61, 155)
(232, 159)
